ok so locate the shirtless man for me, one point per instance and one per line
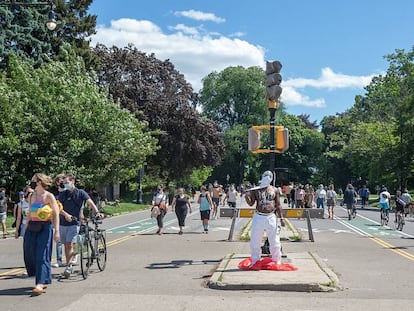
(267, 202)
(216, 192)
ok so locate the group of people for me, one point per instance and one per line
(209, 200)
(45, 216)
(304, 196)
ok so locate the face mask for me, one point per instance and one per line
(68, 186)
(33, 185)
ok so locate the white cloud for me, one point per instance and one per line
(291, 97)
(185, 29)
(196, 53)
(330, 80)
(200, 16)
(193, 54)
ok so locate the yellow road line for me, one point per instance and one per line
(15, 272)
(392, 248)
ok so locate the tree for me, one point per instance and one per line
(235, 95)
(157, 93)
(55, 118)
(23, 31)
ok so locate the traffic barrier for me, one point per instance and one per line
(298, 213)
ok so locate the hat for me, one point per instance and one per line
(21, 193)
(265, 182)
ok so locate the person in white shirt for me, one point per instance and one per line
(321, 198)
(231, 196)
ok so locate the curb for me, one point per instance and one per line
(229, 277)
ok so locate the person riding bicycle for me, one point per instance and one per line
(399, 206)
(384, 203)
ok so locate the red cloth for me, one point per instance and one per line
(265, 264)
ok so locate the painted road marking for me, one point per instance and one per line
(359, 230)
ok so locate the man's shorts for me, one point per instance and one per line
(384, 205)
(349, 206)
(216, 201)
(3, 217)
(205, 214)
(68, 234)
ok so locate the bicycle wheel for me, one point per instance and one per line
(101, 252)
(400, 223)
(383, 219)
(85, 257)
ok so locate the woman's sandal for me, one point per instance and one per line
(38, 290)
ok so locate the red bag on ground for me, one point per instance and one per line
(265, 264)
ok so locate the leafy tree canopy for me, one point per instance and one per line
(156, 92)
(55, 118)
(23, 30)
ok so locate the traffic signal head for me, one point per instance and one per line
(254, 139)
(273, 80)
(282, 140)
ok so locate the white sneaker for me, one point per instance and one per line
(74, 260)
(68, 271)
(57, 265)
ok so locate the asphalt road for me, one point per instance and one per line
(374, 264)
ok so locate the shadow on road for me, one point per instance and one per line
(180, 263)
(21, 291)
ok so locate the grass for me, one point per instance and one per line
(121, 207)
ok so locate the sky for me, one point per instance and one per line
(329, 49)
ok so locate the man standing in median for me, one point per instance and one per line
(267, 202)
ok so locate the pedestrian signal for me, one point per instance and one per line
(282, 140)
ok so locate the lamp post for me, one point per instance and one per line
(50, 23)
(140, 175)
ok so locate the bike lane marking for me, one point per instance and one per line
(360, 228)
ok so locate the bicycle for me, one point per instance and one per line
(399, 220)
(384, 216)
(92, 246)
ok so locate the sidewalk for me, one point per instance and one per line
(312, 275)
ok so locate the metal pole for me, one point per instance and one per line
(272, 109)
(140, 175)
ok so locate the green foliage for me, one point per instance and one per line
(235, 95)
(374, 138)
(158, 94)
(23, 31)
(56, 119)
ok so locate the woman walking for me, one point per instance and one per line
(39, 235)
(160, 199)
(181, 204)
(331, 201)
(205, 207)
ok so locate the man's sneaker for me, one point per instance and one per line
(67, 272)
(74, 260)
(57, 264)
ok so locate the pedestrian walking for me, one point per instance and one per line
(72, 200)
(22, 211)
(160, 199)
(231, 196)
(349, 199)
(216, 192)
(181, 205)
(267, 200)
(58, 187)
(206, 204)
(331, 201)
(3, 210)
(39, 235)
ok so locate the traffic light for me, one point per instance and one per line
(282, 140)
(273, 80)
(254, 139)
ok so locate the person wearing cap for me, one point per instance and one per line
(267, 202)
(22, 210)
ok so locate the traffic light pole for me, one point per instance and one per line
(272, 110)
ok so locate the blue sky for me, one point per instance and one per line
(329, 49)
